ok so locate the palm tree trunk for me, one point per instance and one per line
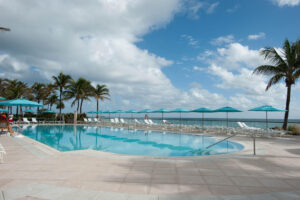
(287, 107)
(77, 105)
(81, 106)
(60, 91)
(97, 107)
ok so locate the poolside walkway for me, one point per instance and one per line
(34, 171)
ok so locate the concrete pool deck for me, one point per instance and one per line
(32, 170)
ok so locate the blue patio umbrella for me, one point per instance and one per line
(20, 102)
(2, 98)
(267, 108)
(146, 111)
(162, 111)
(29, 111)
(227, 110)
(92, 112)
(180, 110)
(203, 110)
(131, 112)
(3, 110)
(48, 111)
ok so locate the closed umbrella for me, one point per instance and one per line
(162, 111)
(180, 110)
(203, 110)
(227, 110)
(267, 109)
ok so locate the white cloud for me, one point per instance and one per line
(222, 40)
(236, 55)
(212, 8)
(231, 10)
(256, 36)
(94, 40)
(290, 3)
(196, 68)
(191, 40)
(193, 7)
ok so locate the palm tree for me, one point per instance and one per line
(80, 90)
(286, 66)
(39, 92)
(101, 92)
(60, 82)
(52, 100)
(16, 89)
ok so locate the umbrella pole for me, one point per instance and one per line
(267, 120)
(202, 120)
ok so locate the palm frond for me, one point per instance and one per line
(275, 79)
(272, 55)
(268, 70)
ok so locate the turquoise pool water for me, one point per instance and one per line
(124, 141)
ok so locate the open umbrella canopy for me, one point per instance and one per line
(3, 110)
(267, 108)
(29, 111)
(131, 111)
(118, 111)
(48, 111)
(2, 98)
(227, 109)
(203, 110)
(162, 110)
(180, 110)
(92, 112)
(20, 102)
(146, 111)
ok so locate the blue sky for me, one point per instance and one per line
(152, 54)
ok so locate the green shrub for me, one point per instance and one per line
(294, 129)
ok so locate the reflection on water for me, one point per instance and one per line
(124, 141)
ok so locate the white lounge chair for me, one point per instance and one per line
(250, 127)
(25, 120)
(85, 120)
(151, 122)
(2, 152)
(147, 122)
(112, 121)
(34, 120)
(96, 120)
(90, 120)
(137, 121)
(117, 121)
(122, 121)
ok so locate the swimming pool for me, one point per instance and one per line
(124, 141)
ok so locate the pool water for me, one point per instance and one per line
(124, 141)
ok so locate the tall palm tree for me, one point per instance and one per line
(39, 92)
(60, 82)
(101, 92)
(286, 67)
(80, 90)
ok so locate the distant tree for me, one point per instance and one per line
(39, 92)
(61, 82)
(286, 67)
(101, 92)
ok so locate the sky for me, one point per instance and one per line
(153, 54)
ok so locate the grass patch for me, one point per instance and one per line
(294, 129)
